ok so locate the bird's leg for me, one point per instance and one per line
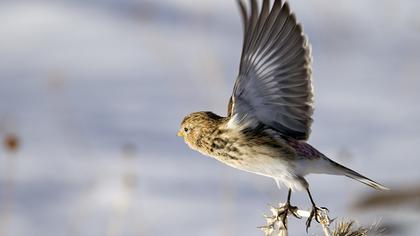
(279, 217)
(287, 208)
(320, 214)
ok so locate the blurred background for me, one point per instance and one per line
(92, 94)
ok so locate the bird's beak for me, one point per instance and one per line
(180, 134)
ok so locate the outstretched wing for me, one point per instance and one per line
(274, 82)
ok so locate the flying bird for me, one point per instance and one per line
(270, 111)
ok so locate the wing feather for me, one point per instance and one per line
(274, 85)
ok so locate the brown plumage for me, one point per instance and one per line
(269, 112)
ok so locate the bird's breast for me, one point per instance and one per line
(252, 155)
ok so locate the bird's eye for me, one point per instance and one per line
(186, 129)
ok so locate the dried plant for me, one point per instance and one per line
(275, 226)
(345, 228)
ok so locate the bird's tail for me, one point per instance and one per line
(342, 170)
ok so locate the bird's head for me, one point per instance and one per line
(196, 126)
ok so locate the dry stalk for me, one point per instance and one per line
(275, 226)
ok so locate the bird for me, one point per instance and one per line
(269, 115)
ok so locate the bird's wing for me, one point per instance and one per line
(274, 82)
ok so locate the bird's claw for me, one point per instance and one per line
(283, 211)
(279, 218)
(321, 216)
(289, 209)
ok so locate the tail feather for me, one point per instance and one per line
(342, 170)
(366, 181)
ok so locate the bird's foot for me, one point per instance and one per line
(286, 209)
(321, 216)
(279, 217)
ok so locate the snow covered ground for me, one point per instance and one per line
(95, 91)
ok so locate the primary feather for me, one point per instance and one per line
(274, 82)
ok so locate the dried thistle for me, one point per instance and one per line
(277, 222)
(275, 227)
(345, 228)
